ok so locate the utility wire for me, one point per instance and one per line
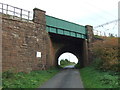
(107, 23)
(115, 25)
(97, 15)
(100, 9)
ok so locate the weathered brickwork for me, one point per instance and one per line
(90, 40)
(21, 41)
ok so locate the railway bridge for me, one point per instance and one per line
(38, 44)
(67, 36)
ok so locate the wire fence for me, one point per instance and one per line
(108, 29)
(15, 12)
(104, 33)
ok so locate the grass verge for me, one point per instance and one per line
(93, 78)
(33, 79)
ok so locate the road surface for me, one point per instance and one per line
(69, 67)
(67, 78)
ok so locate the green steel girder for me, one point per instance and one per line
(59, 26)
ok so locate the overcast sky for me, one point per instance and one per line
(92, 12)
(83, 12)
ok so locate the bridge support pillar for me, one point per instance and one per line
(40, 21)
(39, 16)
(90, 39)
(85, 53)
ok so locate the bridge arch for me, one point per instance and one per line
(63, 33)
(71, 49)
(62, 44)
(69, 56)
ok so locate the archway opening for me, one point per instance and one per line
(67, 60)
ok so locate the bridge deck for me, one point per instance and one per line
(59, 26)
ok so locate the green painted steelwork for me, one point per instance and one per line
(59, 26)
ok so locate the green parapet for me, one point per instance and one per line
(59, 26)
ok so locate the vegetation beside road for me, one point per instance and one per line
(93, 78)
(104, 71)
(66, 62)
(33, 79)
(106, 54)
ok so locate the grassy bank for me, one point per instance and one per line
(93, 78)
(33, 79)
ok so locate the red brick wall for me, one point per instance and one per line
(20, 42)
(90, 40)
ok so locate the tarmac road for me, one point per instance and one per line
(69, 67)
(67, 78)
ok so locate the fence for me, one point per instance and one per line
(108, 29)
(104, 33)
(16, 12)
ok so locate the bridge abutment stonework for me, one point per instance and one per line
(90, 40)
(21, 40)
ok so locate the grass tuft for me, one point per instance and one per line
(33, 79)
(93, 78)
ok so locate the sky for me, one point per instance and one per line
(83, 12)
(69, 56)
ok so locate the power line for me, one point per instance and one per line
(107, 23)
(114, 25)
(104, 33)
(100, 9)
(97, 15)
